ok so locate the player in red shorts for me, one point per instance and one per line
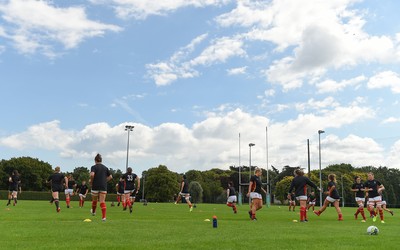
(333, 197)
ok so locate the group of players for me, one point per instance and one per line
(127, 190)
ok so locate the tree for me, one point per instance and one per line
(81, 174)
(282, 188)
(161, 184)
(196, 191)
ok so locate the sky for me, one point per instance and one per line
(199, 80)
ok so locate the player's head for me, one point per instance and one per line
(257, 171)
(370, 176)
(230, 184)
(83, 182)
(357, 179)
(15, 172)
(298, 172)
(332, 177)
(57, 169)
(312, 192)
(98, 158)
(184, 177)
(129, 170)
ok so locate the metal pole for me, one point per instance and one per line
(268, 197)
(144, 179)
(250, 145)
(342, 191)
(128, 128)
(240, 177)
(308, 156)
(320, 171)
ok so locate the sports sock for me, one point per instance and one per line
(340, 216)
(103, 209)
(67, 200)
(94, 206)
(362, 213)
(57, 203)
(229, 204)
(381, 214)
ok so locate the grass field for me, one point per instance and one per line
(36, 225)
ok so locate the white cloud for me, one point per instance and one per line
(181, 66)
(391, 120)
(141, 9)
(34, 25)
(328, 102)
(385, 79)
(332, 86)
(237, 71)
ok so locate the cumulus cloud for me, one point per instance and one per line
(210, 143)
(34, 25)
(386, 79)
(332, 86)
(237, 71)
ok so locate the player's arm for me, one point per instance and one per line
(381, 188)
(109, 178)
(227, 192)
(331, 190)
(250, 188)
(91, 177)
(66, 182)
(138, 184)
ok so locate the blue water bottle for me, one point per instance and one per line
(215, 222)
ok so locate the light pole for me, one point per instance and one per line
(320, 172)
(250, 145)
(267, 198)
(144, 179)
(128, 128)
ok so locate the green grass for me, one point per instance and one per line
(36, 225)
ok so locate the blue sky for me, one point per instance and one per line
(192, 75)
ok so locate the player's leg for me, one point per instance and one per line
(14, 196)
(9, 197)
(67, 197)
(380, 210)
(95, 197)
(303, 210)
(102, 200)
(187, 198)
(56, 200)
(336, 203)
(322, 209)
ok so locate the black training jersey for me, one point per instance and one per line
(256, 184)
(56, 179)
(299, 183)
(232, 191)
(333, 192)
(101, 173)
(359, 192)
(129, 180)
(82, 189)
(71, 184)
(15, 180)
(374, 184)
(311, 198)
(185, 189)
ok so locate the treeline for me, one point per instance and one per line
(162, 185)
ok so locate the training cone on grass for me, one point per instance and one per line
(87, 220)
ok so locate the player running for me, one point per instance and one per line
(57, 179)
(299, 184)
(69, 190)
(374, 189)
(254, 193)
(82, 190)
(130, 189)
(14, 186)
(184, 192)
(333, 197)
(120, 192)
(384, 205)
(232, 199)
(359, 191)
(99, 176)
(311, 200)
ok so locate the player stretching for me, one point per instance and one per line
(359, 190)
(69, 190)
(254, 193)
(82, 190)
(99, 176)
(14, 181)
(231, 194)
(311, 201)
(57, 180)
(374, 188)
(299, 184)
(292, 201)
(184, 192)
(130, 189)
(333, 197)
(120, 192)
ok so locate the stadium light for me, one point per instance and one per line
(320, 172)
(128, 128)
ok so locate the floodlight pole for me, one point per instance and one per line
(128, 128)
(320, 172)
(267, 197)
(250, 145)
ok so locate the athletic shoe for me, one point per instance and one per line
(254, 219)
(67, 206)
(191, 209)
(317, 213)
(340, 219)
(58, 209)
(304, 221)
(363, 221)
(383, 222)
(124, 209)
(374, 218)
(91, 211)
(250, 214)
(118, 204)
(130, 210)
(104, 219)
(391, 212)
(355, 216)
